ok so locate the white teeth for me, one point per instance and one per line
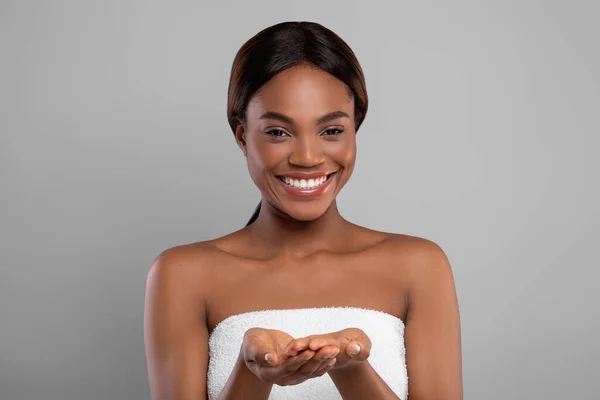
(304, 183)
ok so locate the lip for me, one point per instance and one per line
(311, 175)
(307, 193)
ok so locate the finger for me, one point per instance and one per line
(326, 353)
(325, 368)
(306, 371)
(294, 363)
(321, 341)
(363, 340)
(356, 351)
(296, 345)
(309, 368)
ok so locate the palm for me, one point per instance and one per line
(269, 341)
(276, 341)
(290, 362)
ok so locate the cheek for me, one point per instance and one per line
(262, 159)
(256, 166)
(263, 155)
(344, 153)
(351, 155)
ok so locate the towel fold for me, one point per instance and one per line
(388, 356)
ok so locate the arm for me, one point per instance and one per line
(361, 382)
(175, 332)
(176, 335)
(432, 335)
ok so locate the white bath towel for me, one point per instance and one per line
(388, 356)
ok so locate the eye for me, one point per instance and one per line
(332, 132)
(276, 133)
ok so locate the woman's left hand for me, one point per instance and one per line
(354, 345)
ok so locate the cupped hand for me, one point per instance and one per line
(275, 357)
(354, 345)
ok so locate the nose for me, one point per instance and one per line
(306, 152)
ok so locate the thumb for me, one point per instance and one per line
(259, 353)
(357, 351)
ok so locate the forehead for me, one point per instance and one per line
(302, 92)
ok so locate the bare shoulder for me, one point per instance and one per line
(414, 246)
(398, 243)
(188, 262)
(423, 265)
(182, 259)
(432, 320)
(175, 332)
(414, 255)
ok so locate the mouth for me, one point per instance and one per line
(305, 184)
(308, 186)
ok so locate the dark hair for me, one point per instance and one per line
(285, 45)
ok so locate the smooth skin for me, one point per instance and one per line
(301, 253)
(289, 363)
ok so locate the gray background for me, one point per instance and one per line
(482, 135)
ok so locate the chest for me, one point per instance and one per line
(324, 280)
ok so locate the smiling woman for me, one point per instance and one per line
(289, 134)
(301, 303)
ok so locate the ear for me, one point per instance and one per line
(240, 136)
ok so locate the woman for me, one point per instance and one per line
(301, 303)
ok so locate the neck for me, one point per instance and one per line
(284, 235)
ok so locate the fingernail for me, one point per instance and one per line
(332, 355)
(353, 349)
(270, 359)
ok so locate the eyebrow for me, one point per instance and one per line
(288, 120)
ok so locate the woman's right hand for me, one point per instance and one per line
(273, 357)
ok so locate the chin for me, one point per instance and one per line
(305, 214)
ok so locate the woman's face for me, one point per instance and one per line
(299, 141)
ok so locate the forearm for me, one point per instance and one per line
(361, 382)
(244, 385)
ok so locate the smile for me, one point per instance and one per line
(313, 186)
(312, 183)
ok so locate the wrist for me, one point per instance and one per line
(353, 370)
(243, 384)
(252, 382)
